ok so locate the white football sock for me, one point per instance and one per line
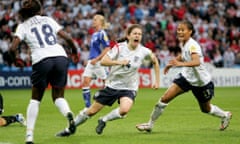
(81, 118)
(32, 114)
(157, 111)
(216, 111)
(114, 114)
(62, 105)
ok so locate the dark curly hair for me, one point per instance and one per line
(30, 8)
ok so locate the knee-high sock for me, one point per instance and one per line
(63, 106)
(216, 111)
(113, 115)
(86, 96)
(32, 114)
(157, 111)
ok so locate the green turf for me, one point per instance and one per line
(181, 123)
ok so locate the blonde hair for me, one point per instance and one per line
(105, 24)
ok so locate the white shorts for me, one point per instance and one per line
(95, 71)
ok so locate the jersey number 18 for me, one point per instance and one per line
(47, 32)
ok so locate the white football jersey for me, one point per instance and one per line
(198, 75)
(126, 77)
(40, 33)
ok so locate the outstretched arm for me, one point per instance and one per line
(169, 65)
(107, 61)
(98, 58)
(195, 61)
(71, 44)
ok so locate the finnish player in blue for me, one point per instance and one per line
(194, 76)
(125, 59)
(99, 45)
(49, 61)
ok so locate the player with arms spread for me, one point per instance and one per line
(125, 59)
(194, 77)
(49, 61)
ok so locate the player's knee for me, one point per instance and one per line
(3, 122)
(164, 99)
(86, 84)
(123, 112)
(91, 112)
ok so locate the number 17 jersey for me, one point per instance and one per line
(40, 34)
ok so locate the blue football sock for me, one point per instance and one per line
(87, 97)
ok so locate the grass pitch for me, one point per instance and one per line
(181, 123)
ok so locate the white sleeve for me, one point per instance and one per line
(113, 52)
(19, 32)
(147, 52)
(194, 48)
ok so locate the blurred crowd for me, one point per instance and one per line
(217, 24)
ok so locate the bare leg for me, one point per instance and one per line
(91, 111)
(173, 91)
(125, 105)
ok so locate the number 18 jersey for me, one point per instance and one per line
(40, 34)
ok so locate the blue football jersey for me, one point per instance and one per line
(99, 41)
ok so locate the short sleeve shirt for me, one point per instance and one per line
(40, 34)
(198, 75)
(124, 77)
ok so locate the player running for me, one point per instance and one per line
(194, 77)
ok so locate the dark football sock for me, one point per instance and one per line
(9, 119)
(1, 104)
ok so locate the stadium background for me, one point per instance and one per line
(217, 25)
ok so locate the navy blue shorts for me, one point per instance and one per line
(202, 94)
(51, 70)
(108, 96)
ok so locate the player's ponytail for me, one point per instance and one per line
(122, 39)
(189, 26)
(105, 24)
